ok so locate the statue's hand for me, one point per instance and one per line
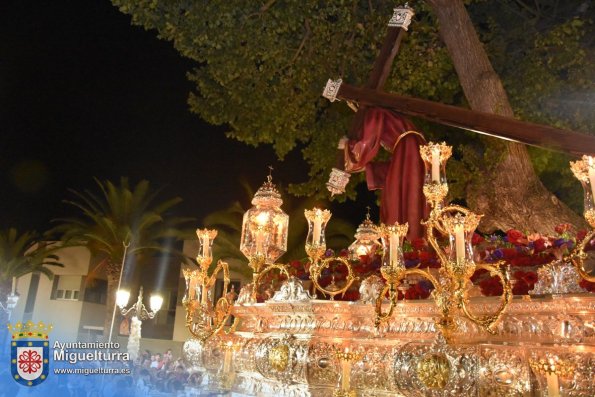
(342, 142)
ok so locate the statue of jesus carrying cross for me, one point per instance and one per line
(401, 179)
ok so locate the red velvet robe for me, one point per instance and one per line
(401, 179)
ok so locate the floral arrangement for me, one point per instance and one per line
(523, 253)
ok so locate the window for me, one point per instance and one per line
(66, 287)
(96, 291)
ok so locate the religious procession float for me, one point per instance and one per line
(420, 305)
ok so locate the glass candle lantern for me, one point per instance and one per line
(460, 229)
(584, 171)
(392, 242)
(315, 240)
(366, 240)
(435, 156)
(265, 225)
(205, 250)
(192, 278)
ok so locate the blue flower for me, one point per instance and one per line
(411, 263)
(559, 242)
(425, 285)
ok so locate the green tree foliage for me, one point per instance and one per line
(119, 215)
(261, 67)
(21, 254)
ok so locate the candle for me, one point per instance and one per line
(345, 372)
(14, 285)
(205, 245)
(436, 164)
(553, 388)
(279, 230)
(259, 241)
(192, 287)
(227, 358)
(394, 246)
(460, 243)
(592, 176)
(317, 228)
(261, 220)
(204, 293)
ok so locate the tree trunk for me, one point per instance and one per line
(510, 195)
(113, 277)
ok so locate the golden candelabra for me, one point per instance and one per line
(204, 317)
(316, 249)
(584, 171)
(452, 285)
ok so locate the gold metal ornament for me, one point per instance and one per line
(452, 287)
(205, 318)
(584, 171)
(433, 370)
(316, 248)
(279, 357)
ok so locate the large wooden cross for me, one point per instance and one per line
(502, 127)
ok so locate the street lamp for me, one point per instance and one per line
(11, 302)
(11, 299)
(138, 313)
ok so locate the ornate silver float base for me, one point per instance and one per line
(289, 349)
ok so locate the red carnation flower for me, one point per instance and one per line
(539, 245)
(515, 236)
(410, 255)
(580, 235)
(424, 256)
(520, 288)
(477, 275)
(589, 286)
(562, 228)
(418, 243)
(477, 239)
(509, 253)
(530, 278)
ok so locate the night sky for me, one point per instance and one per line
(84, 94)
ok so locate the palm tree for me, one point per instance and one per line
(121, 216)
(22, 254)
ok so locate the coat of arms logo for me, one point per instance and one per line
(29, 352)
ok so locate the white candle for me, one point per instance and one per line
(317, 228)
(261, 221)
(592, 176)
(436, 165)
(227, 358)
(553, 388)
(460, 243)
(14, 285)
(259, 241)
(192, 288)
(345, 373)
(204, 293)
(205, 245)
(394, 246)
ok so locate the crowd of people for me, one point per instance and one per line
(162, 373)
